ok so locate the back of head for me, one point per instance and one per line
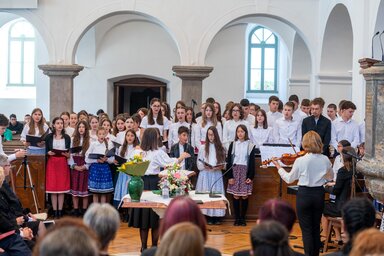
(104, 220)
(278, 210)
(183, 209)
(183, 239)
(270, 238)
(368, 242)
(358, 214)
(68, 241)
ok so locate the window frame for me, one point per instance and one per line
(262, 46)
(22, 40)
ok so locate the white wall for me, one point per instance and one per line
(133, 47)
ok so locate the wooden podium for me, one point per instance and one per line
(21, 182)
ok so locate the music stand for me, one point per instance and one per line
(27, 171)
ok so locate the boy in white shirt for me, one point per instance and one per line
(287, 128)
(273, 114)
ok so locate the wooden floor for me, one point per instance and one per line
(226, 238)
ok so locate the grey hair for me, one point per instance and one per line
(3, 160)
(2, 176)
(104, 220)
(68, 241)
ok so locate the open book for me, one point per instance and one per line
(109, 153)
(34, 140)
(120, 160)
(59, 151)
(211, 166)
(75, 150)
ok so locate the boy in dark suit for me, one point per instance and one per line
(183, 146)
(318, 123)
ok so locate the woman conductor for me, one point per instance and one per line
(311, 171)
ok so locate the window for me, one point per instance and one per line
(21, 53)
(262, 61)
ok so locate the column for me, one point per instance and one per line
(61, 87)
(192, 80)
(372, 165)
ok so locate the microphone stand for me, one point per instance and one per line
(211, 194)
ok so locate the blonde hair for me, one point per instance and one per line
(183, 239)
(312, 143)
(368, 242)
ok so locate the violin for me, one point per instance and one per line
(287, 158)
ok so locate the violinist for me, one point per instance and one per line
(311, 171)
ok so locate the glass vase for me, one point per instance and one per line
(135, 188)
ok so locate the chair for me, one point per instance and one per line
(332, 222)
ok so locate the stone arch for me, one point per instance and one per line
(40, 28)
(104, 12)
(336, 54)
(242, 12)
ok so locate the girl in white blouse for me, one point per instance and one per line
(94, 125)
(146, 219)
(213, 154)
(36, 127)
(207, 120)
(236, 118)
(261, 133)
(173, 137)
(155, 119)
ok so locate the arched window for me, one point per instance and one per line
(262, 61)
(21, 53)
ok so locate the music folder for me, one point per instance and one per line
(116, 144)
(59, 151)
(33, 140)
(211, 166)
(110, 153)
(120, 160)
(75, 149)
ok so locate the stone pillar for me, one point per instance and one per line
(372, 165)
(61, 87)
(192, 80)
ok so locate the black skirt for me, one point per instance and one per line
(145, 218)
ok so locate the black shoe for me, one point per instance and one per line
(143, 248)
(60, 213)
(242, 222)
(236, 223)
(75, 213)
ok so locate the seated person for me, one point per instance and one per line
(340, 191)
(270, 238)
(368, 242)
(104, 220)
(15, 126)
(11, 237)
(183, 239)
(183, 209)
(277, 210)
(358, 215)
(16, 210)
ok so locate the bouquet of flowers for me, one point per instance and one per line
(135, 166)
(176, 180)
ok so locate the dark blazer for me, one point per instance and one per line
(250, 164)
(49, 142)
(189, 162)
(323, 128)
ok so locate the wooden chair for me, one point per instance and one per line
(333, 222)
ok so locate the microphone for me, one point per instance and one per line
(211, 194)
(381, 45)
(194, 102)
(353, 155)
(378, 32)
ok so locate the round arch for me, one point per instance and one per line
(40, 27)
(240, 13)
(104, 12)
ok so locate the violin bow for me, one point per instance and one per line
(290, 142)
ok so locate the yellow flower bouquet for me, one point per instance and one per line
(135, 166)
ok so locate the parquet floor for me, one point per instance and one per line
(226, 238)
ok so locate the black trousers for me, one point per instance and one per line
(310, 206)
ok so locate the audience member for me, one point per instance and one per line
(3, 126)
(332, 111)
(358, 215)
(270, 238)
(183, 239)
(183, 209)
(368, 242)
(15, 126)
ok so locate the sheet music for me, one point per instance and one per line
(267, 152)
